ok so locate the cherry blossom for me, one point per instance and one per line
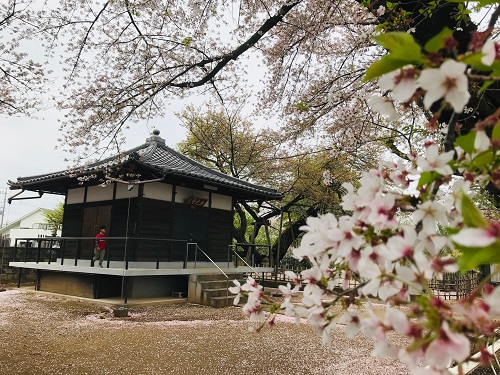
(449, 82)
(490, 52)
(389, 258)
(435, 161)
(429, 213)
(447, 347)
(482, 141)
(352, 320)
(478, 237)
(401, 82)
(384, 106)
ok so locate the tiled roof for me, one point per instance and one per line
(156, 156)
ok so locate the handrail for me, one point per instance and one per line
(33, 245)
(50, 238)
(244, 261)
(210, 259)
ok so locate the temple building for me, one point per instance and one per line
(167, 216)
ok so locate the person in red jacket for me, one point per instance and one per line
(100, 245)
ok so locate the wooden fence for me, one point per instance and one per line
(452, 286)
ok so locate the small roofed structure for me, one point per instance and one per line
(166, 214)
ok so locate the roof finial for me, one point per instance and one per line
(155, 137)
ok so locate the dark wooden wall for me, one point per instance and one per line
(146, 219)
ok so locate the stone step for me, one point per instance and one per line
(215, 277)
(214, 284)
(219, 292)
(221, 301)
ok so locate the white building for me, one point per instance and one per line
(31, 225)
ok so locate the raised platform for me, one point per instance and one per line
(140, 268)
(141, 280)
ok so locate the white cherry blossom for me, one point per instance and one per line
(430, 213)
(490, 52)
(477, 237)
(384, 106)
(435, 161)
(449, 82)
(401, 82)
(482, 141)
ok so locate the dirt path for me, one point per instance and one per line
(52, 335)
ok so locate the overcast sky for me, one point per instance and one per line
(28, 149)
(28, 144)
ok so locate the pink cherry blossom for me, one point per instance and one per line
(447, 347)
(382, 212)
(352, 320)
(380, 10)
(493, 301)
(478, 237)
(401, 82)
(449, 82)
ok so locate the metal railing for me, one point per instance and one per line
(232, 248)
(197, 248)
(253, 248)
(127, 251)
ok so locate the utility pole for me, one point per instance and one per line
(2, 210)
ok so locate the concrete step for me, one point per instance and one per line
(211, 293)
(221, 301)
(215, 277)
(214, 284)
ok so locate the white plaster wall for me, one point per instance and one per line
(183, 193)
(35, 218)
(122, 191)
(98, 193)
(222, 202)
(157, 190)
(75, 196)
(27, 233)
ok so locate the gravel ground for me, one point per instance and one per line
(42, 334)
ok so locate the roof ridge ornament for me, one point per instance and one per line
(155, 137)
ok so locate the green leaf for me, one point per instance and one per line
(481, 3)
(473, 257)
(437, 42)
(483, 159)
(466, 142)
(380, 67)
(401, 45)
(472, 215)
(403, 50)
(484, 87)
(496, 132)
(426, 178)
(474, 60)
(186, 41)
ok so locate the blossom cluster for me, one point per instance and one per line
(405, 221)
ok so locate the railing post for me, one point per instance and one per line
(186, 259)
(195, 254)
(26, 252)
(77, 253)
(158, 254)
(126, 260)
(63, 248)
(38, 251)
(50, 249)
